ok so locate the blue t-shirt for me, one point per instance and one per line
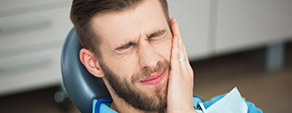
(102, 105)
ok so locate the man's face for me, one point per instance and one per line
(135, 48)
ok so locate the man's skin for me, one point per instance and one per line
(154, 42)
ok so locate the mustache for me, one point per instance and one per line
(146, 72)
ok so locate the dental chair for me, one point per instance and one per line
(80, 85)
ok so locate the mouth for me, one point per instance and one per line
(154, 79)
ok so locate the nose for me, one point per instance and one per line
(149, 58)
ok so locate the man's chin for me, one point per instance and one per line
(155, 102)
(153, 98)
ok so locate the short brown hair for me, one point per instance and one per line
(83, 10)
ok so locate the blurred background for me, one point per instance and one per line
(242, 43)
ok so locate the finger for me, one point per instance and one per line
(175, 28)
(175, 46)
(176, 32)
(180, 42)
(186, 63)
(182, 51)
(175, 53)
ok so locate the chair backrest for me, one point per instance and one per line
(80, 85)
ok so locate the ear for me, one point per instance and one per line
(90, 62)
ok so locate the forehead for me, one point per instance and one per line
(114, 28)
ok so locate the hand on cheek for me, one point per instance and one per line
(180, 83)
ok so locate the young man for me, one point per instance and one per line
(138, 51)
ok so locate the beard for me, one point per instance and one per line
(134, 96)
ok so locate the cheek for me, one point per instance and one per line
(122, 68)
(164, 48)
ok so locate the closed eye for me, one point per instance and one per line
(159, 33)
(126, 46)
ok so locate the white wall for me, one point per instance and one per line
(193, 19)
(215, 27)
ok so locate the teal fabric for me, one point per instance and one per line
(104, 107)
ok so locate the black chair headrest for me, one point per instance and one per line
(80, 85)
